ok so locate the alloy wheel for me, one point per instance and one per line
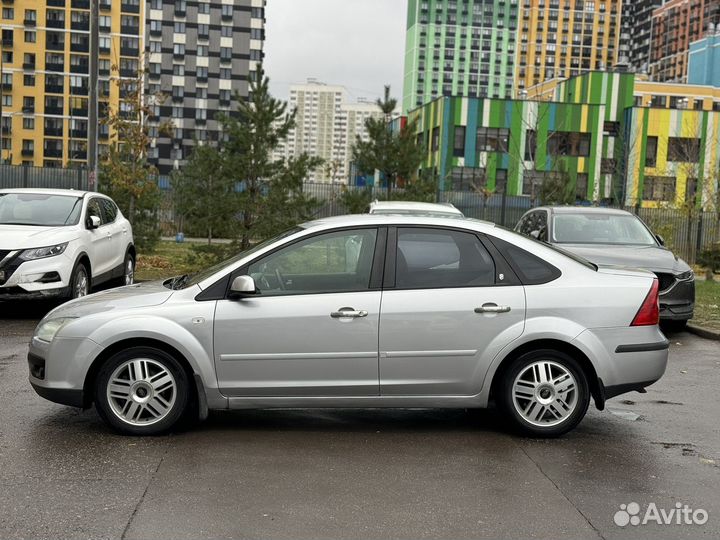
(545, 393)
(141, 391)
(81, 285)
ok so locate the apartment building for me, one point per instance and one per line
(45, 75)
(200, 54)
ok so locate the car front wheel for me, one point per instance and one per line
(545, 393)
(79, 282)
(141, 391)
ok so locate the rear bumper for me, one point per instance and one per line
(625, 359)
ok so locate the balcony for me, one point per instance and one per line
(78, 133)
(53, 152)
(29, 65)
(6, 85)
(127, 72)
(80, 68)
(200, 121)
(178, 56)
(83, 112)
(28, 152)
(104, 50)
(55, 46)
(55, 66)
(80, 25)
(29, 109)
(104, 28)
(78, 155)
(54, 89)
(156, 32)
(129, 51)
(80, 47)
(227, 16)
(6, 130)
(56, 3)
(55, 23)
(7, 42)
(103, 72)
(79, 90)
(54, 109)
(129, 8)
(130, 30)
(80, 4)
(180, 12)
(202, 78)
(53, 131)
(105, 5)
(30, 22)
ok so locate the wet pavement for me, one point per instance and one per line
(359, 473)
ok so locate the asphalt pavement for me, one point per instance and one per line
(360, 473)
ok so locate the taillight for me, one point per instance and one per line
(649, 312)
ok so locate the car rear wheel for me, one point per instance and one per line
(128, 277)
(141, 391)
(545, 393)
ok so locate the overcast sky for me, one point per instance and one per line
(355, 43)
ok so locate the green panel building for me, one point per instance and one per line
(459, 48)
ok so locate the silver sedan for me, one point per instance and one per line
(361, 311)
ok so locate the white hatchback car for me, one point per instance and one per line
(61, 243)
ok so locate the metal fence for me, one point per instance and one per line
(13, 176)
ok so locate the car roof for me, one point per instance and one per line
(412, 206)
(67, 192)
(359, 220)
(583, 210)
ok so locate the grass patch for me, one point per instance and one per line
(169, 259)
(707, 305)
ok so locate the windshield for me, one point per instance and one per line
(616, 229)
(205, 274)
(39, 209)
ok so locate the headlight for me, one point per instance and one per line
(43, 252)
(49, 329)
(685, 276)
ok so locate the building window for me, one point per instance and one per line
(225, 73)
(493, 139)
(203, 7)
(28, 80)
(435, 139)
(155, 46)
(28, 123)
(30, 36)
(569, 143)
(226, 31)
(459, 146)
(500, 180)
(581, 186)
(651, 149)
(659, 188)
(683, 150)
(530, 144)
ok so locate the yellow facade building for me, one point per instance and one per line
(45, 75)
(565, 38)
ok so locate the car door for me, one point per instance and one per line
(313, 328)
(99, 249)
(117, 234)
(449, 306)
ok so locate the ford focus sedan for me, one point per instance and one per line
(361, 311)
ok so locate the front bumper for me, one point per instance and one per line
(678, 302)
(58, 370)
(39, 279)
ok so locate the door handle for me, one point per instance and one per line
(348, 313)
(492, 308)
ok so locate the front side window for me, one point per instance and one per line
(334, 262)
(434, 258)
(94, 209)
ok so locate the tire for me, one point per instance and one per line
(128, 277)
(79, 276)
(535, 407)
(149, 395)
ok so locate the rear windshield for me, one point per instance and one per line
(39, 209)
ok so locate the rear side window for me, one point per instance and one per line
(434, 258)
(531, 270)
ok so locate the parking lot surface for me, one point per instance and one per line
(359, 473)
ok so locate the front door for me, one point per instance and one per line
(100, 239)
(313, 329)
(448, 314)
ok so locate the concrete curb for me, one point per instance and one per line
(704, 332)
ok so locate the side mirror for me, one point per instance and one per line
(93, 222)
(243, 286)
(660, 239)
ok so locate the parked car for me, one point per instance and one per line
(606, 236)
(61, 243)
(408, 208)
(361, 311)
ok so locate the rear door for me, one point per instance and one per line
(117, 234)
(447, 309)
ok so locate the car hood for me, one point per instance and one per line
(139, 295)
(655, 258)
(14, 237)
